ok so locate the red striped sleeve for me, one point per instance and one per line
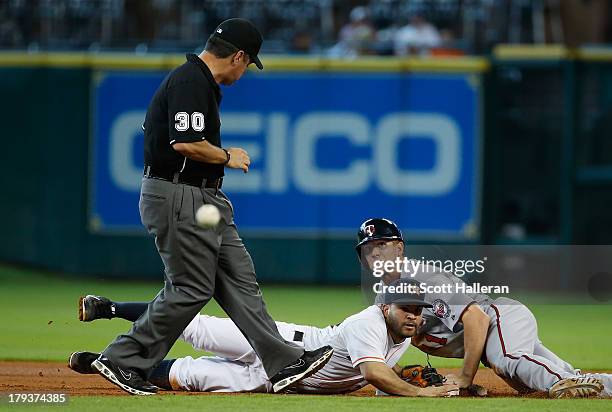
(368, 358)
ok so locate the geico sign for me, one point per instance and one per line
(294, 159)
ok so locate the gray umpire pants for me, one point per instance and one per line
(199, 264)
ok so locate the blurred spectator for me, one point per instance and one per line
(10, 35)
(355, 37)
(417, 37)
(305, 26)
(385, 39)
(302, 42)
(139, 18)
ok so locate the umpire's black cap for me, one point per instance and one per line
(404, 292)
(374, 229)
(243, 35)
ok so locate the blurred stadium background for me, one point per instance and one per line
(468, 122)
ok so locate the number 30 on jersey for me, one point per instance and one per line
(182, 121)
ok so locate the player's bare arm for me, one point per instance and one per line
(475, 326)
(441, 352)
(205, 152)
(418, 341)
(387, 380)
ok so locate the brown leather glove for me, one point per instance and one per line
(422, 376)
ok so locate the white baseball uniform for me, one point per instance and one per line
(512, 349)
(362, 337)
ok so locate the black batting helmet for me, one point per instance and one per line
(374, 229)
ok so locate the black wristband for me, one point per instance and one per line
(228, 157)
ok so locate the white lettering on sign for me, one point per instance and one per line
(243, 124)
(289, 152)
(123, 134)
(394, 127)
(311, 128)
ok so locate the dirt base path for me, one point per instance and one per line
(33, 377)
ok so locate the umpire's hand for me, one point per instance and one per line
(239, 159)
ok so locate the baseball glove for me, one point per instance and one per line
(422, 376)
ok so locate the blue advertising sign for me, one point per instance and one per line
(328, 150)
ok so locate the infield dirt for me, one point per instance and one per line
(38, 377)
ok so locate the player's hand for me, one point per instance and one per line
(462, 381)
(477, 390)
(443, 391)
(239, 159)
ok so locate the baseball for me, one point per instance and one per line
(208, 216)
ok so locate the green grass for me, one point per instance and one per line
(266, 402)
(40, 323)
(41, 310)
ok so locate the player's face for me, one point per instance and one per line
(403, 320)
(239, 63)
(381, 250)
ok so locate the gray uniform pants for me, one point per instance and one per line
(515, 352)
(199, 264)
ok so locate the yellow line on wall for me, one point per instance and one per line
(531, 52)
(595, 54)
(128, 61)
(551, 52)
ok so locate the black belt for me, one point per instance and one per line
(177, 177)
(298, 336)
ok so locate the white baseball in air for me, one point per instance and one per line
(208, 216)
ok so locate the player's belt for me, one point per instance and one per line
(298, 336)
(177, 177)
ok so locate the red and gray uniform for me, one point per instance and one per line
(441, 326)
(513, 349)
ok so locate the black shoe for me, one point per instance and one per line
(308, 364)
(93, 307)
(81, 362)
(127, 380)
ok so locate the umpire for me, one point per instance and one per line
(184, 166)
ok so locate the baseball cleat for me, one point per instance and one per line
(307, 365)
(129, 381)
(606, 380)
(581, 387)
(93, 307)
(81, 362)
